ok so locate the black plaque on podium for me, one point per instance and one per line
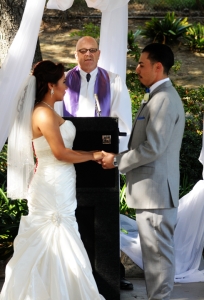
(98, 202)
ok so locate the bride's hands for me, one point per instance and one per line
(97, 155)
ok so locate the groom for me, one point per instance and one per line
(152, 168)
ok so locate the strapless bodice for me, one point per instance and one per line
(52, 188)
(42, 148)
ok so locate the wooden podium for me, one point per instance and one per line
(98, 202)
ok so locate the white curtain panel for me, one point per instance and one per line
(113, 41)
(17, 64)
(201, 158)
(113, 36)
(106, 5)
(60, 4)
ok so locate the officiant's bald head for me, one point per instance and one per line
(87, 53)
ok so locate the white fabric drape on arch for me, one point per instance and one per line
(201, 158)
(113, 41)
(18, 62)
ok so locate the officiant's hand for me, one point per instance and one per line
(107, 161)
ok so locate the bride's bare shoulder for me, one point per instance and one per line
(43, 114)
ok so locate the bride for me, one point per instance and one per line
(49, 261)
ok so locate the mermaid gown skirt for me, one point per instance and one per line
(50, 261)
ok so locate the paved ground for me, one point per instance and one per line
(187, 291)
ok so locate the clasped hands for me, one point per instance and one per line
(104, 158)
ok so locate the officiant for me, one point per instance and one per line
(87, 80)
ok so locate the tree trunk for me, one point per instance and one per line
(11, 12)
(199, 5)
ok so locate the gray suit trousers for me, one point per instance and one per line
(156, 230)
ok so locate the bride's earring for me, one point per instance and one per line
(52, 92)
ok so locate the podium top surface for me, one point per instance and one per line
(94, 123)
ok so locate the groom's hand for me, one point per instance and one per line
(107, 160)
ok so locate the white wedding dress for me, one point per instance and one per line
(50, 261)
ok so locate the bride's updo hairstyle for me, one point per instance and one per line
(46, 72)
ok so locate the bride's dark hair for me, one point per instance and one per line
(46, 72)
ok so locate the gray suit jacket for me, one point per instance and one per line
(152, 162)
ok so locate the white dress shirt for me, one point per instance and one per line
(120, 103)
(154, 86)
(158, 83)
(86, 106)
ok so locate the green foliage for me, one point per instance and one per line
(195, 37)
(193, 102)
(190, 167)
(185, 187)
(133, 46)
(10, 215)
(172, 4)
(136, 91)
(124, 209)
(88, 30)
(166, 30)
(69, 67)
(3, 164)
(133, 37)
(177, 66)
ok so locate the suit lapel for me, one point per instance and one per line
(158, 89)
(134, 123)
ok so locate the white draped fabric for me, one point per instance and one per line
(60, 4)
(106, 5)
(103, 5)
(201, 158)
(113, 35)
(189, 237)
(113, 41)
(18, 62)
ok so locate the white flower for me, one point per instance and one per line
(56, 219)
(146, 97)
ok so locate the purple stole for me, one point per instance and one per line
(102, 89)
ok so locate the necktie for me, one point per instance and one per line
(88, 76)
(147, 90)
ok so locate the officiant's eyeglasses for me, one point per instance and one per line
(92, 50)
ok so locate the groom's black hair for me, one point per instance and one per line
(160, 53)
